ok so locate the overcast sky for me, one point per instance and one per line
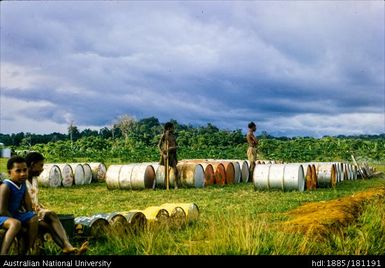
(298, 68)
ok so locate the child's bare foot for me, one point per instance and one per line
(70, 250)
(83, 248)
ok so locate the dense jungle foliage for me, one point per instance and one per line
(136, 141)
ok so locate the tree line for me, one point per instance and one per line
(129, 140)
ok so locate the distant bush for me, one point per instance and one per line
(139, 144)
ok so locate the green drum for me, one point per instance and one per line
(94, 226)
(136, 220)
(117, 221)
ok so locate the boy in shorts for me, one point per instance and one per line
(16, 206)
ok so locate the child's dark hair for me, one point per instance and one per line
(168, 126)
(15, 159)
(33, 157)
(251, 125)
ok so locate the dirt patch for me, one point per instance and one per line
(316, 219)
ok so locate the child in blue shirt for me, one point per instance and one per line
(16, 206)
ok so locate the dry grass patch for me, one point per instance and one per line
(317, 219)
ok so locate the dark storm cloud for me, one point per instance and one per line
(279, 63)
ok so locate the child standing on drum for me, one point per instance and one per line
(168, 150)
(252, 150)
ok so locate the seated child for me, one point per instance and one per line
(15, 205)
(48, 219)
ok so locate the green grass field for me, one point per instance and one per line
(234, 220)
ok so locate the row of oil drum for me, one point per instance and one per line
(302, 176)
(198, 173)
(68, 174)
(134, 221)
(192, 173)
